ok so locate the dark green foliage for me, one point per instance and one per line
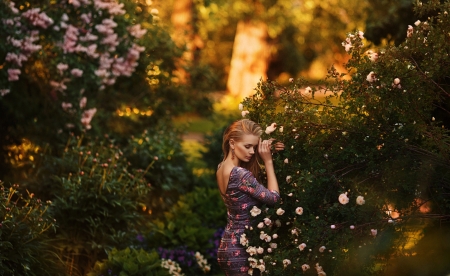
(129, 262)
(24, 248)
(388, 20)
(190, 222)
(169, 175)
(97, 199)
(376, 134)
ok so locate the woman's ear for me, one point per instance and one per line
(231, 143)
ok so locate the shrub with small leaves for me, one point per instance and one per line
(361, 162)
(130, 262)
(98, 200)
(24, 221)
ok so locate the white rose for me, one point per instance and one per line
(360, 200)
(280, 211)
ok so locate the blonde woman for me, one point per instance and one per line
(240, 189)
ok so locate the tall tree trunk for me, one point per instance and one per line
(185, 34)
(250, 58)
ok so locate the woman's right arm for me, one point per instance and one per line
(266, 156)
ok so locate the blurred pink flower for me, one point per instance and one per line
(371, 77)
(66, 106)
(136, 31)
(37, 18)
(76, 72)
(305, 267)
(271, 128)
(3, 92)
(83, 102)
(13, 74)
(343, 199)
(409, 31)
(280, 211)
(373, 232)
(361, 34)
(302, 246)
(360, 200)
(299, 211)
(87, 116)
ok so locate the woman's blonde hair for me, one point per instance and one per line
(236, 131)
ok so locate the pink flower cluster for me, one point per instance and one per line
(38, 18)
(113, 7)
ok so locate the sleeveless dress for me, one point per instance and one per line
(243, 192)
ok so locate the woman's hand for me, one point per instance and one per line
(264, 150)
(277, 146)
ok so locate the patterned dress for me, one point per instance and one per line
(243, 192)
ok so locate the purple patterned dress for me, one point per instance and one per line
(243, 192)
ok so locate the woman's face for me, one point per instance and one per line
(246, 148)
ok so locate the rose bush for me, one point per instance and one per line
(363, 161)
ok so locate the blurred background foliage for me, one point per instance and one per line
(165, 123)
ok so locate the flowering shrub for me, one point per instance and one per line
(190, 226)
(130, 262)
(24, 220)
(360, 164)
(92, 44)
(97, 200)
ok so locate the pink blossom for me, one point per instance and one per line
(305, 267)
(280, 211)
(91, 51)
(347, 44)
(88, 37)
(360, 200)
(136, 31)
(59, 86)
(87, 116)
(271, 128)
(371, 77)
(16, 59)
(13, 74)
(37, 18)
(352, 227)
(75, 3)
(299, 211)
(62, 67)
(308, 90)
(13, 9)
(66, 106)
(101, 73)
(76, 72)
(409, 31)
(244, 113)
(373, 232)
(3, 92)
(361, 34)
(333, 226)
(396, 83)
(302, 246)
(83, 102)
(86, 18)
(64, 17)
(343, 199)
